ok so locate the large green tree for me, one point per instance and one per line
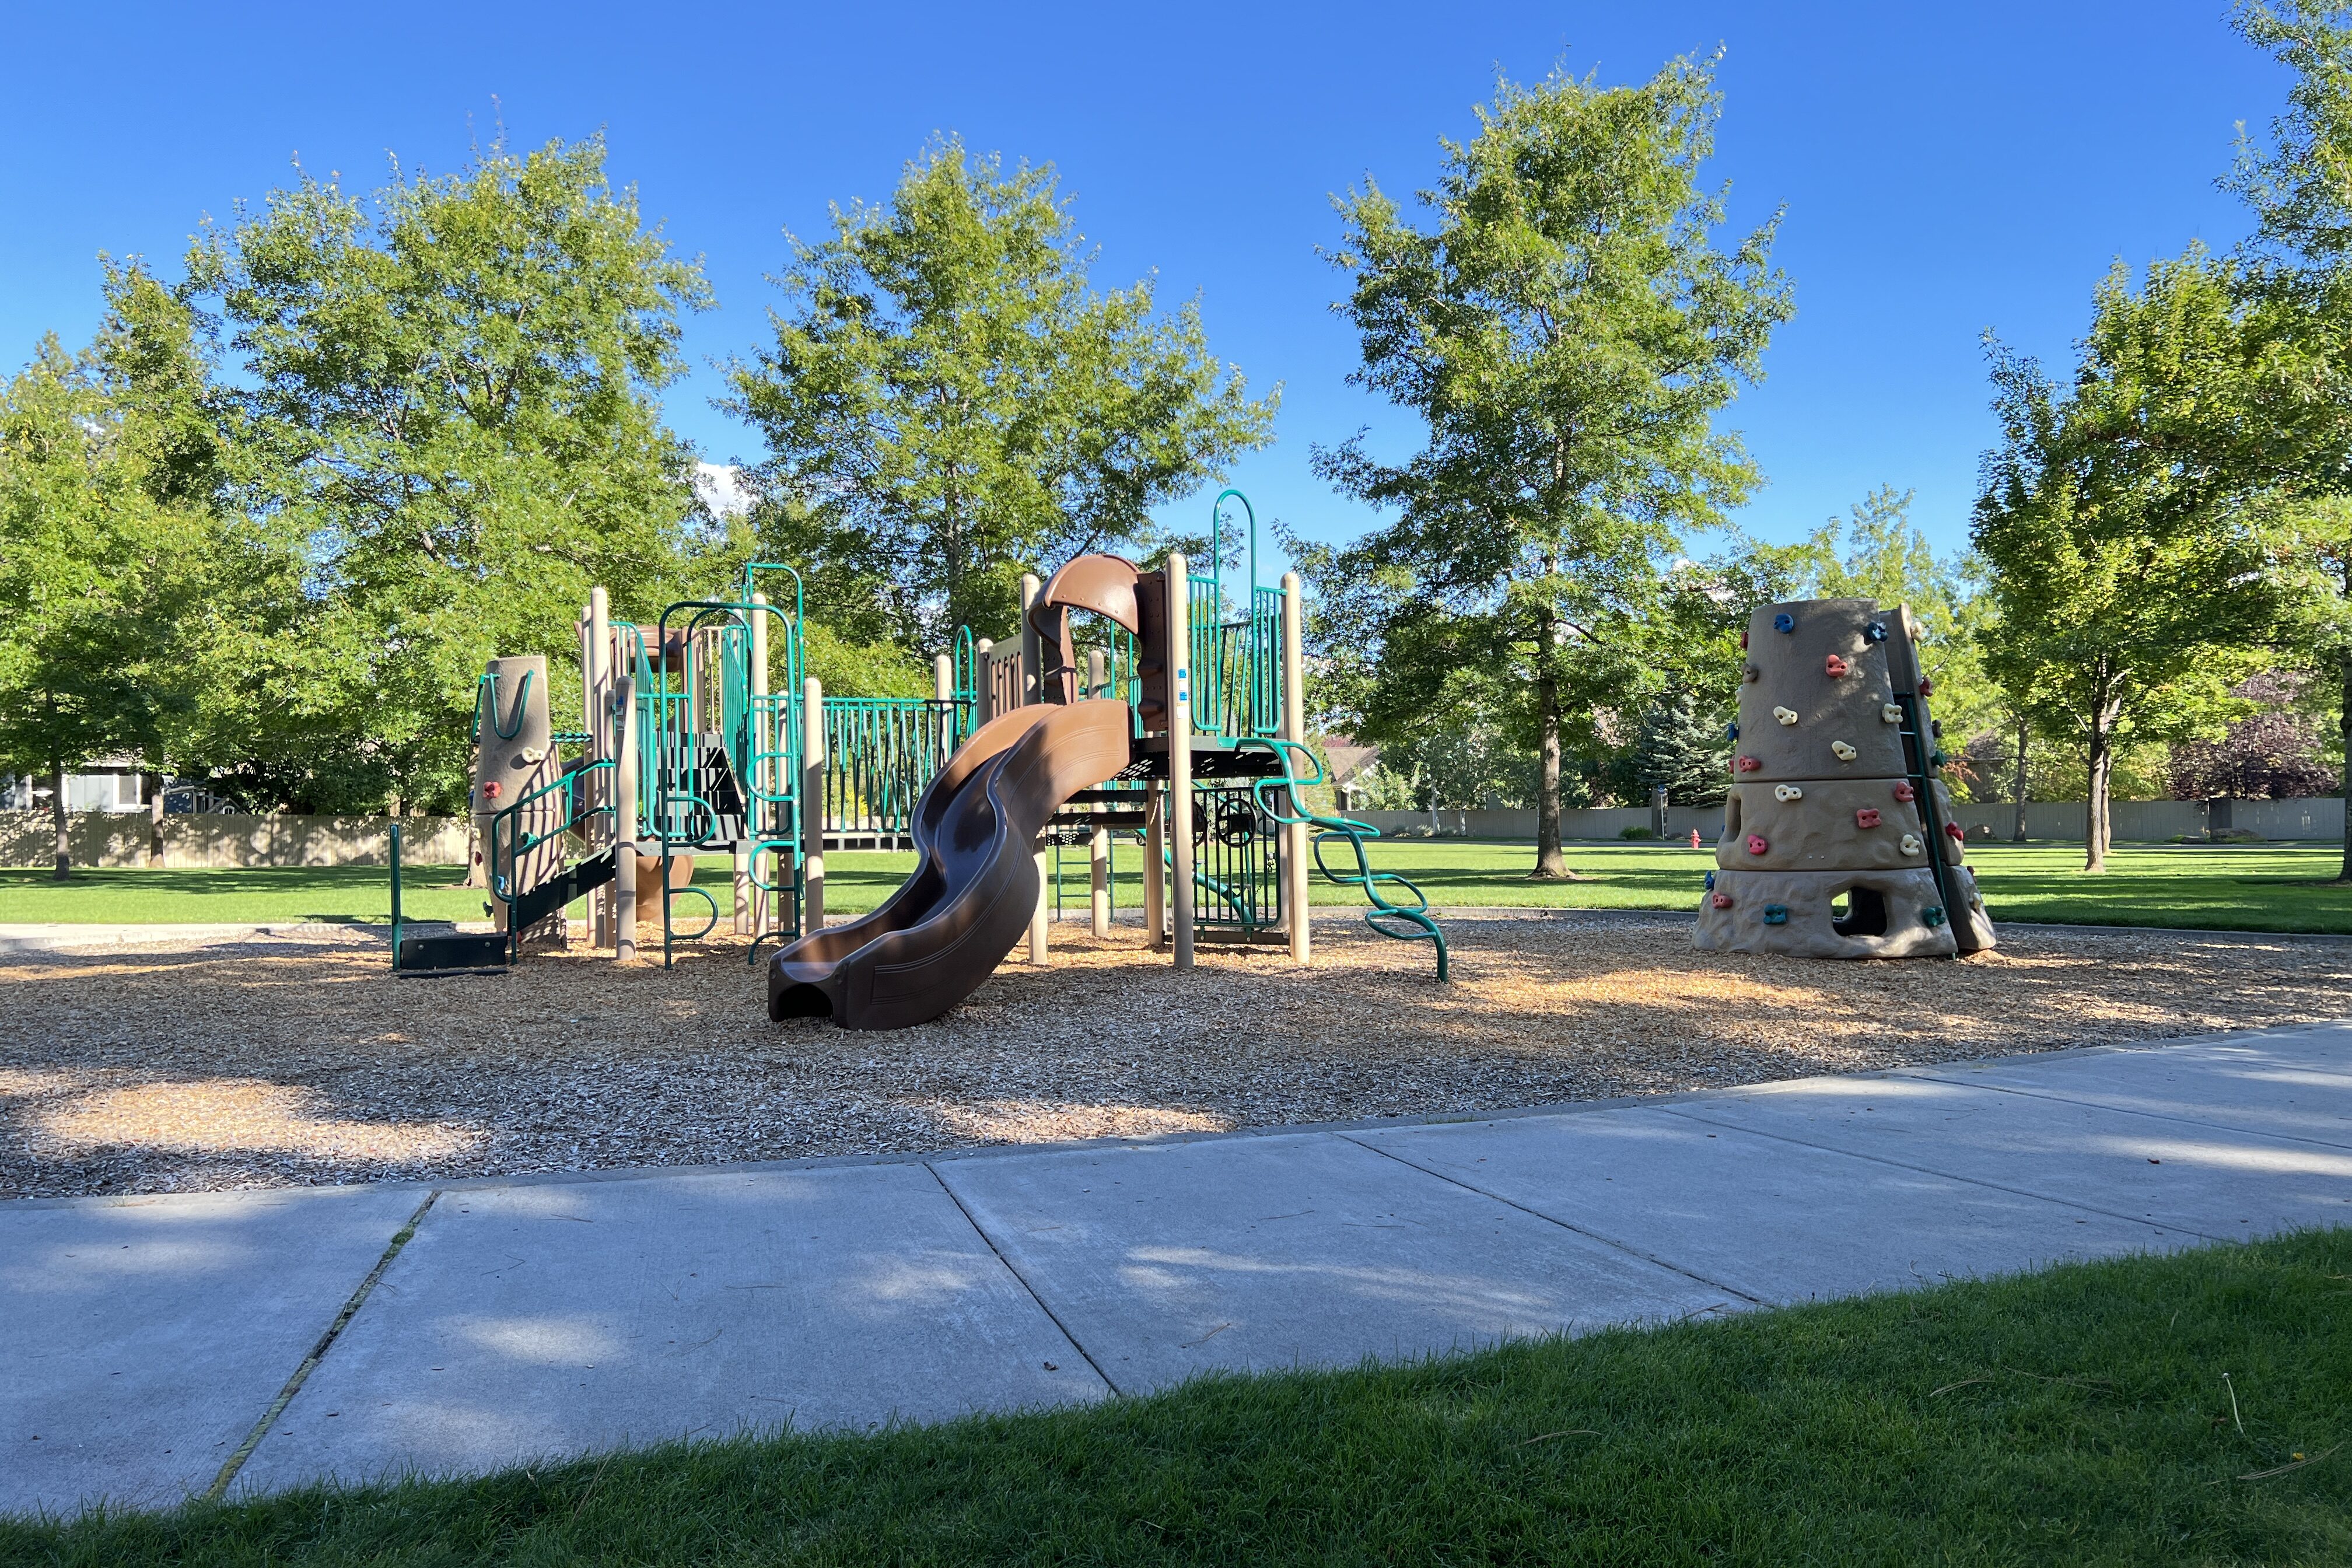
(448, 393)
(950, 402)
(2136, 557)
(113, 553)
(2299, 186)
(1566, 328)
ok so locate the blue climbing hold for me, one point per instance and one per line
(1778, 914)
(1936, 760)
(1934, 915)
(1710, 882)
(1784, 622)
(1875, 632)
(1731, 731)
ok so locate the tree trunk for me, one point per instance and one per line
(2095, 815)
(1551, 866)
(58, 820)
(2017, 835)
(154, 782)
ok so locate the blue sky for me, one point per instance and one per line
(1946, 169)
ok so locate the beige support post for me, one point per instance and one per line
(811, 806)
(625, 811)
(756, 811)
(597, 719)
(986, 694)
(1032, 690)
(1179, 752)
(1099, 842)
(943, 689)
(1293, 728)
(1032, 661)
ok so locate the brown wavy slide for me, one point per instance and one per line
(975, 884)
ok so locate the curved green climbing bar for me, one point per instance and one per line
(1410, 922)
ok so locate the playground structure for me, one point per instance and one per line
(1839, 836)
(687, 751)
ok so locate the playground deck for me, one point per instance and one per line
(305, 1062)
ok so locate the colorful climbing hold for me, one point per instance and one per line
(1836, 667)
(1784, 622)
(1875, 632)
(1904, 791)
(1787, 792)
(1954, 830)
(1752, 673)
(1721, 900)
(1749, 765)
(1844, 749)
(493, 790)
(1755, 843)
(1776, 914)
(1865, 817)
(1934, 915)
(1937, 759)
(1926, 687)
(1743, 640)
(1892, 713)
(1710, 880)
(1911, 845)
(1786, 715)
(1731, 731)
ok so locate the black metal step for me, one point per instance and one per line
(579, 878)
(442, 951)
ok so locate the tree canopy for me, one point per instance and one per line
(1566, 328)
(948, 403)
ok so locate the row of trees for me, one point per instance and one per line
(2167, 524)
(264, 529)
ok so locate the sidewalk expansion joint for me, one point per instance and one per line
(235, 1461)
(2056, 1098)
(1610, 1242)
(1010, 1267)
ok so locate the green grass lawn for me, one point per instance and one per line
(2078, 1416)
(2256, 886)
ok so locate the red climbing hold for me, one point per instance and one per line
(1926, 687)
(490, 791)
(1904, 791)
(1957, 831)
(1743, 640)
(1755, 845)
(1723, 900)
(1748, 764)
(1865, 817)
(1836, 667)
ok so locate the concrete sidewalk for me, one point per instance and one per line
(357, 1333)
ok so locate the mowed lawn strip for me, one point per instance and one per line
(2077, 1416)
(2261, 887)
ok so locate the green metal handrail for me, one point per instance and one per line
(1420, 926)
(510, 840)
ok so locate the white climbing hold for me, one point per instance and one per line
(1911, 845)
(1891, 713)
(1787, 792)
(1786, 715)
(1845, 753)
(528, 756)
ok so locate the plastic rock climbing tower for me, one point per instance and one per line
(1839, 839)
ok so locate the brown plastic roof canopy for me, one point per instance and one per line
(945, 929)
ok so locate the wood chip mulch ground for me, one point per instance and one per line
(303, 1062)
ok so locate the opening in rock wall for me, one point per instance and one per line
(1859, 911)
